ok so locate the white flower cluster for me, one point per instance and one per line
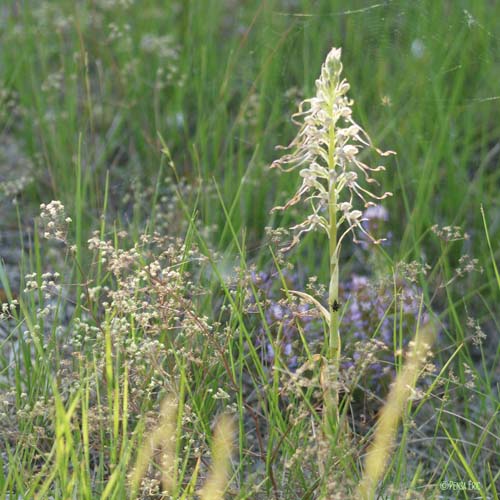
(54, 221)
(326, 149)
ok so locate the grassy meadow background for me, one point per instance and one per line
(154, 124)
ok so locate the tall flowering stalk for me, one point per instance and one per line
(326, 151)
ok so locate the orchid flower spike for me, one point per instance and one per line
(327, 149)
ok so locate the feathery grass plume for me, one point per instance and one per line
(380, 450)
(326, 150)
(164, 437)
(217, 481)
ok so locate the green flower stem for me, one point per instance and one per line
(333, 341)
(333, 348)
